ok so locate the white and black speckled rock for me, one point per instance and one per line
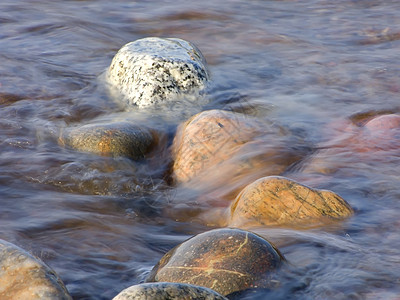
(168, 290)
(113, 139)
(154, 70)
(23, 276)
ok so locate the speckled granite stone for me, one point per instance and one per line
(23, 276)
(168, 290)
(226, 260)
(114, 139)
(154, 70)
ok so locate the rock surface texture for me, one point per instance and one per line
(115, 139)
(279, 201)
(154, 70)
(217, 153)
(24, 277)
(168, 290)
(225, 260)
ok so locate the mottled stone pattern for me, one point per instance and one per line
(208, 139)
(153, 70)
(280, 201)
(115, 139)
(225, 260)
(23, 276)
(168, 290)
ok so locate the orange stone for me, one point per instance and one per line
(279, 201)
(219, 152)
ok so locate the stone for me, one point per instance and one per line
(208, 139)
(168, 290)
(224, 260)
(279, 201)
(219, 152)
(367, 139)
(155, 70)
(114, 139)
(23, 276)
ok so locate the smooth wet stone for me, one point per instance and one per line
(217, 153)
(279, 201)
(168, 290)
(23, 276)
(208, 139)
(155, 70)
(225, 260)
(114, 139)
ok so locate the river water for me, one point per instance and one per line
(309, 65)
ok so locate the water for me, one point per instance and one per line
(308, 65)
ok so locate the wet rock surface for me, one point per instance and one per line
(23, 276)
(279, 201)
(220, 152)
(368, 138)
(155, 70)
(225, 260)
(168, 290)
(114, 139)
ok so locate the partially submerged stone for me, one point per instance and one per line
(208, 139)
(225, 260)
(23, 276)
(219, 152)
(168, 290)
(114, 139)
(279, 201)
(364, 140)
(155, 70)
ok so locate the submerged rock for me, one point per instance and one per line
(23, 276)
(115, 139)
(279, 201)
(225, 260)
(168, 290)
(154, 70)
(365, 140)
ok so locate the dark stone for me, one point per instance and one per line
(225, 260)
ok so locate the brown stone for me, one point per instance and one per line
(279, 201)
(225, 260)
(208, 139)
(23, 276)
(219, 152)
(114, 139)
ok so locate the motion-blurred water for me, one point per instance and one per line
(99, 222)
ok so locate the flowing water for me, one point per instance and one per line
(310, 66)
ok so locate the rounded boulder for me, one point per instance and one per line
(155, 70)
(23, 276)
(114, 139)
(279, 201)
(224, 260)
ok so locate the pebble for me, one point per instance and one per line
(154, 70)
